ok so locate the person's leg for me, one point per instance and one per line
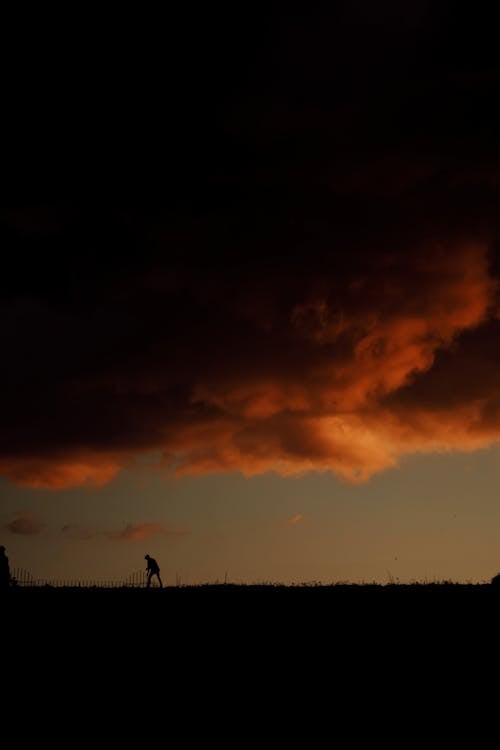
(159, 579)
(149, 580)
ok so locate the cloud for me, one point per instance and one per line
(137, 532)
(316, 377)
(54, 473)
(132, 532)
(333, 409)
(295, 519)
(26, 524)
(77, 532)
(310, 283)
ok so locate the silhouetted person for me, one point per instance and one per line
(152, 569)
(4, 569)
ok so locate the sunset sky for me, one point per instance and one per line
(250, 296)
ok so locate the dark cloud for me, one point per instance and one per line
(278, 249)
(25, 523)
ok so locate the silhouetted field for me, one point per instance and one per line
(210, 644)
(347, 606)
(268, 591)
(228, 594)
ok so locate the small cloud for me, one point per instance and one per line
(25, 523)
(295, 519)
(75, 531)
(133, 532)
(136, 532)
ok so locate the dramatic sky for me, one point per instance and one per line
(250, 301)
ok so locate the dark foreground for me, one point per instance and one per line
(211, 658)
(226, 626)
(227, 611)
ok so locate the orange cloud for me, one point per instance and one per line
(137, 532)
(335, 416)
(132, 532)
(58, 473)
(295, 519)
(328, 374)
(311, 285)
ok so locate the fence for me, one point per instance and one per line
(22, 577)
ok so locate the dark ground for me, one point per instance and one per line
(229, 613)
(246, 666)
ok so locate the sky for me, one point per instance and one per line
(250, 303)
